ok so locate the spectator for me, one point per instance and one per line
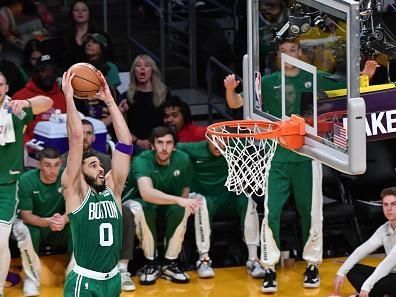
(159, 182)
(19, 23)
(43, 218)
(368, 280)
(145, 95)
(43, 82)
(32, 52)
(81, 23)
(89, 139)
(11, 160)
(177, 114)
(210, 174)
(10, 70)
(97, 53)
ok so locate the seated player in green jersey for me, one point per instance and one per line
(290, 173)
(43, 219)
(210, 174)
(14, 116)
(93, 202)
(159, 184)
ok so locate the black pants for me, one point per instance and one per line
(128, 233)
(385, 286)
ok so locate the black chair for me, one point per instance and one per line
(341, 232)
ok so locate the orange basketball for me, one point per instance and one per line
(86, 81)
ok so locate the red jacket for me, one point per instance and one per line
(30, 90)
(191, 133)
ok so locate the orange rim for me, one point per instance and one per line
(290, 133)
(271, 129)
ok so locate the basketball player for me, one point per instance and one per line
(93, 202)
(159, 184)
(210, 174)
(290, 173)
(11, 161)
(367, 280)
(43, 217)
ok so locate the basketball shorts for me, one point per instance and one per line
(78, 285)
(8, 203)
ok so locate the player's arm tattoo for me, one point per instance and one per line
(109, 102)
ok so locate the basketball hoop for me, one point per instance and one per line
(249, 146)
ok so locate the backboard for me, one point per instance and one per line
(324, 67)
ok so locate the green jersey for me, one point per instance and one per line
(170, 179)
(96, 228)
(210, 172)
(295, 86)
(11, 154)
(42, 199)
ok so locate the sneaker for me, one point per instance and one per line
(149, 275)
(255, 269)
(173, 272)
(311, 279)
(127, 283)
(204, 268)
(30, 288)
(269, 283)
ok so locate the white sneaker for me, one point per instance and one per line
(127, 283)
(255, 269)
(30, 288)
(204, 268)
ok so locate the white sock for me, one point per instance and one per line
(123, 265)
(5, 255)
(252, 251)
(203, 256)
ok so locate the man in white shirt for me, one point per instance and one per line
(374, 281)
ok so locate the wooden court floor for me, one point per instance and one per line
(229, 282)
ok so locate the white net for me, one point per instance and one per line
(248, 158)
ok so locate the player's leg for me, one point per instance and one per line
(307, 189)
(245, 208)
(28, 243)
(175, 218)
(128, 239)
(8, 202)
(278, 191)
(202, 225)
(145, 215)
(358, 275)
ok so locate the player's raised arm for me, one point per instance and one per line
(234, 100)
(122, 153)
(71, 178)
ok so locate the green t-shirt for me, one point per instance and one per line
(11, 154)
(42, 199)
(210, 172)
(170, 179)
(295, 86)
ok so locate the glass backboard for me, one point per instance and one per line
(311, 58)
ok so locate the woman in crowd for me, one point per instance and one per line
(145, 95)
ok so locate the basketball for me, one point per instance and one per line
(86, 81)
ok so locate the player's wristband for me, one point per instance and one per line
(124, 148)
